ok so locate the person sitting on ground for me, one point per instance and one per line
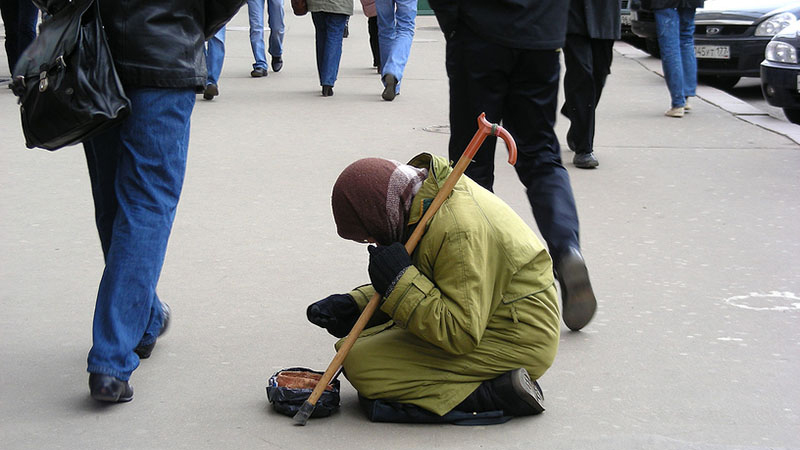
(466, 321)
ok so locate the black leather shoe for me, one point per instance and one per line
(211, 91)
(144, 351)
(390, 91)
(585, 160)
(106, 388)
(577, 297)
(277, 63)
(327, 91)
(518, 394)
(258, 73)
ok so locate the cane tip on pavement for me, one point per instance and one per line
(305, 412)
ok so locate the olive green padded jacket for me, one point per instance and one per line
(478, 301)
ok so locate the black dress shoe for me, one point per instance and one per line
(277, 63)
(211, 91)
(327, 91)
(106, 388)
(512, 392)
(585, 160)
(390, 91)
(577, 297)
(144, 351)
(258, 73)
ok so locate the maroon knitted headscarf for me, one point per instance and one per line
(372, 199)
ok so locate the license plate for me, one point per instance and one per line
(712, 51)
(626, 20)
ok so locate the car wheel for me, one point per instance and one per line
(652, 47)
(792, 114)
(719, 81)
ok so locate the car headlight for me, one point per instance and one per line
(782, 52)
(775, 24)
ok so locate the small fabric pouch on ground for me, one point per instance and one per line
(66, 81)
(288, 389)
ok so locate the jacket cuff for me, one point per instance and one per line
(411, 289)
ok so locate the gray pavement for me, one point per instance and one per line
(689, 227)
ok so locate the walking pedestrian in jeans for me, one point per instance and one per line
(675, 29)
(395, 32)
(215, 56)
(255, 9)
(330, 18)
(136, 171)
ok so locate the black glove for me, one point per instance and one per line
(336, 313)
(386, 262)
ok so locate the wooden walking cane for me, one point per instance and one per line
(485, 128)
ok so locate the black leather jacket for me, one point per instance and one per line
(159, 43)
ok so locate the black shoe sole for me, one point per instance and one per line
(577, 297)
(528, 391)
(389, 92)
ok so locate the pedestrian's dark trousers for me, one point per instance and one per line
(520, 88)
(372, 27)
(19, 19)
(588, 63)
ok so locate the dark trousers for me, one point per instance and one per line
(19, 19)
(588, 63)
(520, 88)
(372, 27)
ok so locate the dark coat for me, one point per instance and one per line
(523, 24)
(664, 4)
(159, 43)
(598, 19)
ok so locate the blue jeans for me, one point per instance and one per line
(395, 33)
(675, 28)
(329, 30)
(215, 56)
(255, 9)
(136, 171)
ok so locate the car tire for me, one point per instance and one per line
(723, 82)
(651, 45)
(792, 114)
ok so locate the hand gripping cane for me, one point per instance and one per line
(485, 128)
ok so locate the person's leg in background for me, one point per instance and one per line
(215, 56)
(277, 28)
(667, 27)
(688, 59)
(137, 171)
(372, 27)
(579, 98)
(255, 14)
(398, 16)
(19, 20)
(333, 49)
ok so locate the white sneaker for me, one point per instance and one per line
(686, 106)
(675, 112)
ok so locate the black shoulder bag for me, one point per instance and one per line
(67, 86)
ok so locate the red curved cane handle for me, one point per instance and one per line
(487, 128)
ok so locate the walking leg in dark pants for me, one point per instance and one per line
(520, 88)
(588, 63)
(19, 19)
